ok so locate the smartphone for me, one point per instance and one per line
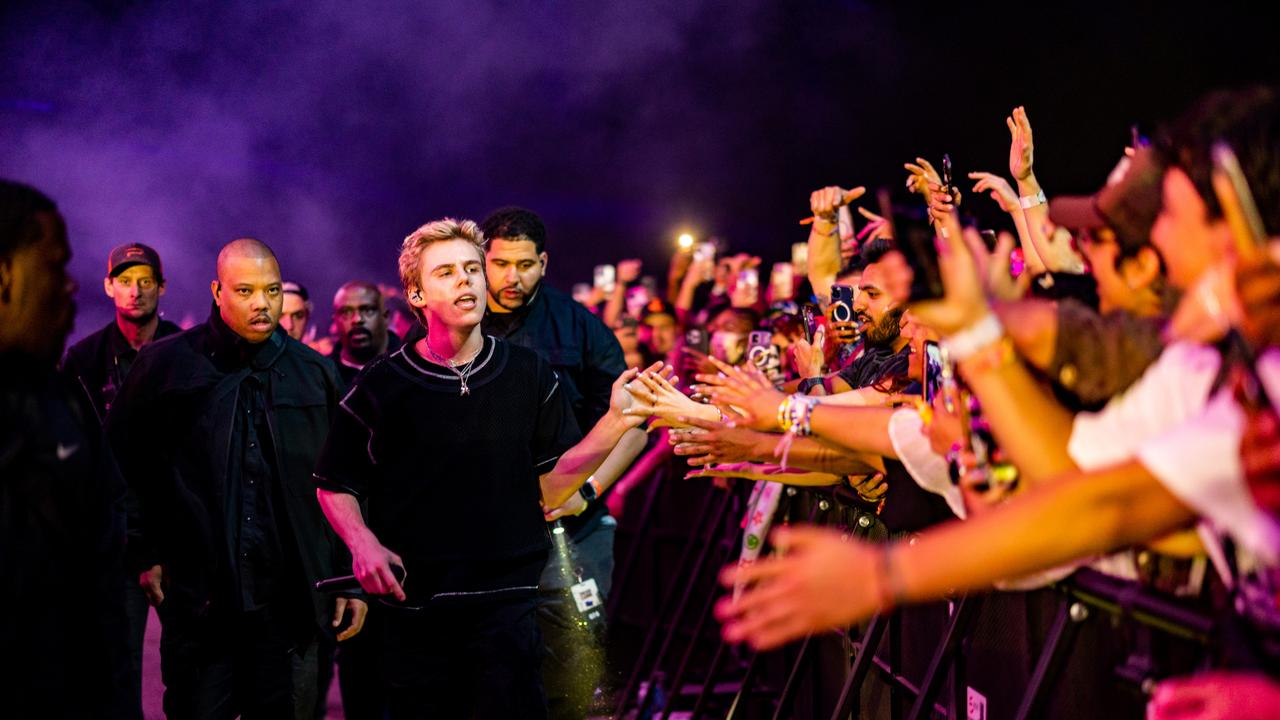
(705, 256)
(782, 281)
(605, 277)
(697, 339)
(759, 347)
(1236, 200)
(841, 303)
(800, 257)
(810, 323)
(988, 239)
(947, 178)
(750, 278)
(932, 371)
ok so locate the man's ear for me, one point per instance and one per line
(1145, 268)
(215, 287)
(161, 286)
(543, 257)
(414, 298)
(109, 288)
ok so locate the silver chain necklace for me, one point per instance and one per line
(463, 373)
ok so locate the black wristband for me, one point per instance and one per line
(808, 384)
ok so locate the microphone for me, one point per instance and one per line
(349, 583)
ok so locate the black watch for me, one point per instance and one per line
(588, 491)
(808, 384)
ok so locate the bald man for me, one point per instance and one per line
(217, 431)
(360, 317)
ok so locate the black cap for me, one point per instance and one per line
(124, 257)
(1128, 203)
(295, 288)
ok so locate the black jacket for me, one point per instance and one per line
(61, 550)
(99, 363)
(171, 429)
(584, 353)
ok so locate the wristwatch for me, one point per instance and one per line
(588, 491)
(808, 384)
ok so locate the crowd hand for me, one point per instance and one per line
(809, 359)
(371, 563)
(696, 362)
(596, 297)
(871, 488)
(358, 610)
(705, 442)
(976, 487)
(965, 300)
(152, 583)
(746, 471)
(656, 396)
(942, 203)
(943, 427)
(825, 202)
(876, 228)
(1001, 192)
(620, 399)
(1001, 285)
(629, 271)
(1221, 695)
(743, 389)
(575, 505)
(1021, 145)
(921, 175)
(819, 581)
(844, 332)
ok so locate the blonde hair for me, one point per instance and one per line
(417, 242)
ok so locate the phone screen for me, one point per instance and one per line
(604, 277)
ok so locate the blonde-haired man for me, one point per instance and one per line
(456, 443)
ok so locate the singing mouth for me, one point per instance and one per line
(466, 302)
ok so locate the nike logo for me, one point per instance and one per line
(66, 451)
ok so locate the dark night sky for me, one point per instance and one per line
(332, 129)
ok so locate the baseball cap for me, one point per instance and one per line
(1128, 203)
(124, 257)
(295, 288)
(655, 307)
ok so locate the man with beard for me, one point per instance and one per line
(361, 320)
(61, 499)
(99, 364)
(885, 352)
(586, 357)
(217, 430)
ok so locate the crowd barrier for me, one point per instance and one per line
(1089, 646)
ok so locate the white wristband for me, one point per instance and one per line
(1030, 201)
(970, 340)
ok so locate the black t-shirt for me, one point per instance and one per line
(451, 480)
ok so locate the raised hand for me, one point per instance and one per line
(705, 442)
(999, 188)
(820, 581)
(920, 175)
(1021, 146)
(826, 201)
(629, 271)
(876, 227)
(743, 389)
(657, 396)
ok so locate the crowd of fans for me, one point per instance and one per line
(1084, 382)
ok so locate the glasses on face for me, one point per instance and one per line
(366, 312)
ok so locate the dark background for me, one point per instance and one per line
(332, 129)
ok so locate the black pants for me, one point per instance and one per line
(476, 660)
(247, 664)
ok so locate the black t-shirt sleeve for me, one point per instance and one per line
(347, 462)
(555, 429)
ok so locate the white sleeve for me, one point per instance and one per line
(1172, 390)
(1199, 462)
(927, 468)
